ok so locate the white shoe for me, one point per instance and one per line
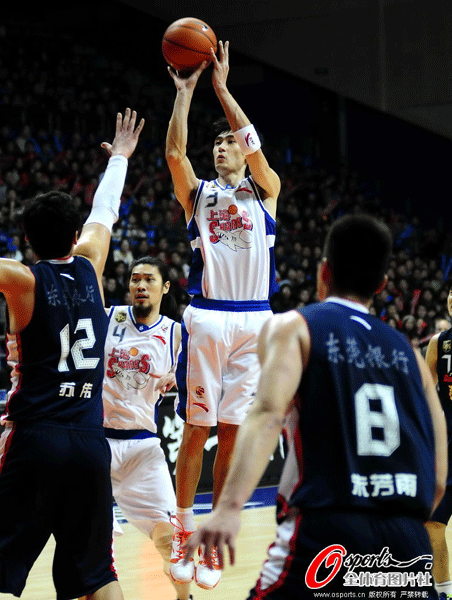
(179, 571)
(207, 577)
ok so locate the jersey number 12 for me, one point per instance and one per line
(84, 343)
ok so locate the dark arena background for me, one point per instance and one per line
(353, 99)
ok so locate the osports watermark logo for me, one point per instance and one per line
(331, 559)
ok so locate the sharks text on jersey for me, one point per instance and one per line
(221, 222)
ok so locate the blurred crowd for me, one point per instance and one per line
(58, 102)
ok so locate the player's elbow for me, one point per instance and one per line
(173, 155)
(269, 412)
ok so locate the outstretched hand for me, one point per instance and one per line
(220, 65)
(218, 530)
(126, 136)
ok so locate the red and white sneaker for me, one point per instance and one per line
(180, 572)
(207, 577)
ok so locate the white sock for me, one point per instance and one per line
(444, 587)
(185, 516)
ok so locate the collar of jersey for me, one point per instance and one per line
(349, 303)
(142, 326)
(227, 187)
(57, 261)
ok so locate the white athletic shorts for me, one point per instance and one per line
(218, 368)
(142, 485)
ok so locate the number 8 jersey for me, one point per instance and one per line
(57, 359)
(362, 437)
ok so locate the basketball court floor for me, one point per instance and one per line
(139, 565)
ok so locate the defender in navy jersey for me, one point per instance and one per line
(231, 227)
(439, 360)
(55, 460)
(367, 438)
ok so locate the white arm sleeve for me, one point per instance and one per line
(107, 198)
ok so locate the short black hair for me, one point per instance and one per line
(168, 306)
(358, 249)
(154, 261)
(51, 221)
(222, 124)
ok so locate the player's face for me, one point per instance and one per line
(146, 286)
(449, 302)
(227, 155)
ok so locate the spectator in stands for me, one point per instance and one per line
(113, 293)
(123, 253)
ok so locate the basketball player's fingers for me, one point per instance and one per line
(139, 128)
(126, 120)
(214, 56)
(226, 51)
(132, 120)
(220, 554)
(227, 541)
(220, 50)
(190, 546)
(189, 551)
(106, 146)
(211, 541)
(118, 122)
(200, 69)
(218, 539)
(231, 547)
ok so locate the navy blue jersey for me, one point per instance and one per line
(58, 358)
(364, 437)
(444, 387)
(444, 370)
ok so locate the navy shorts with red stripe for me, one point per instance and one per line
(283, 575)
(55, 479)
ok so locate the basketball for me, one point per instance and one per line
(187, 42)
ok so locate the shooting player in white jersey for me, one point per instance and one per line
(140, 358)
(231, 226)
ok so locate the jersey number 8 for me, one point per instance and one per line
(377, 420)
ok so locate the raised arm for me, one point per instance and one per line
(439, 429)
(17, 283)
(184, 179)
(431, 357)
(94, 241)
(281, 355)
(262, 173)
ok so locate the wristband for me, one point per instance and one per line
(247, 139)
(107, 198)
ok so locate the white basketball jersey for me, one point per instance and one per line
(232, 236)
(135, 357)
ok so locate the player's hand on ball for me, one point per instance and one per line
(187, 80)
(126, 136)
